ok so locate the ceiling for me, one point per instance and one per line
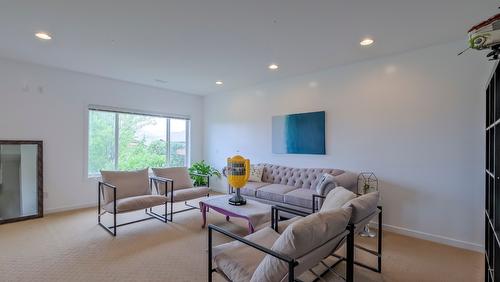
(189, 44)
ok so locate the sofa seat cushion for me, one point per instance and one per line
(274, 192)
(135, 203)
(250, 189)
(300, 197)
(188, 194)
(238, 261)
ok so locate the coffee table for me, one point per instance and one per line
(254, 212)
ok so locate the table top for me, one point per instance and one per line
(252, 208)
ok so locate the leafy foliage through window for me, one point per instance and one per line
(125, 141)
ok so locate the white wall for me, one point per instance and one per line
(40, 103)
(415, 119)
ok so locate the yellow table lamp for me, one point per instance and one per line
(238, 172)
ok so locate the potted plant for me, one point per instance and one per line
(202, 168)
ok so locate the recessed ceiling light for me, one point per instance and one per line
(273, 67)
(43, 35)
(219, 82)
(366, 42)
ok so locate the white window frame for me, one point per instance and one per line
(118, 111)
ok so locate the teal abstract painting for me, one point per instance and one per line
(299, 133)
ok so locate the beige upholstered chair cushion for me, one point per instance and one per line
(301, 238)
(337, 198)
(282, 225)
(128, 184)
(135, 203)
(179, 175)
(238, 261)
(363, 206)
(188, 194)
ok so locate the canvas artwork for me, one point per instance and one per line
(302, 133)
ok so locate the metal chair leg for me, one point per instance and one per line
(350, 254)
(379, 261)
(210, 255)
(99, 203)
(114, 212)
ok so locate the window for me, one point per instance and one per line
(128, 141)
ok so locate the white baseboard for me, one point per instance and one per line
(70, 208)
(432, 237)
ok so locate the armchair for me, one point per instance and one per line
(178, 187)
(364, 209)
(126, 191)
(268, 255)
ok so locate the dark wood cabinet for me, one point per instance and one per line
(492, 179)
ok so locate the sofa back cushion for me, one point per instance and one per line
(306, 178)
(336, 199)
(179, 175)
(128, 184)
(301, 238)
(363, 206)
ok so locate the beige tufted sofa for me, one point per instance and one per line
(294, 187)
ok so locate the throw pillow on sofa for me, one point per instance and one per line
(256, 173)
(323, 183)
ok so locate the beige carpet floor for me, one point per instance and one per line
(70, 246)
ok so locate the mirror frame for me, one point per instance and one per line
(39, 169)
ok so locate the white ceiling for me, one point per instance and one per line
(191, 44)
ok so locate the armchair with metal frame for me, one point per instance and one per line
(133, 198)
(181, 189)
(320, 253)
(356, 230)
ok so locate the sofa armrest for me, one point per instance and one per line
(348, 180)
(329, 188)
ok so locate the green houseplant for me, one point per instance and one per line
(202, 168)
